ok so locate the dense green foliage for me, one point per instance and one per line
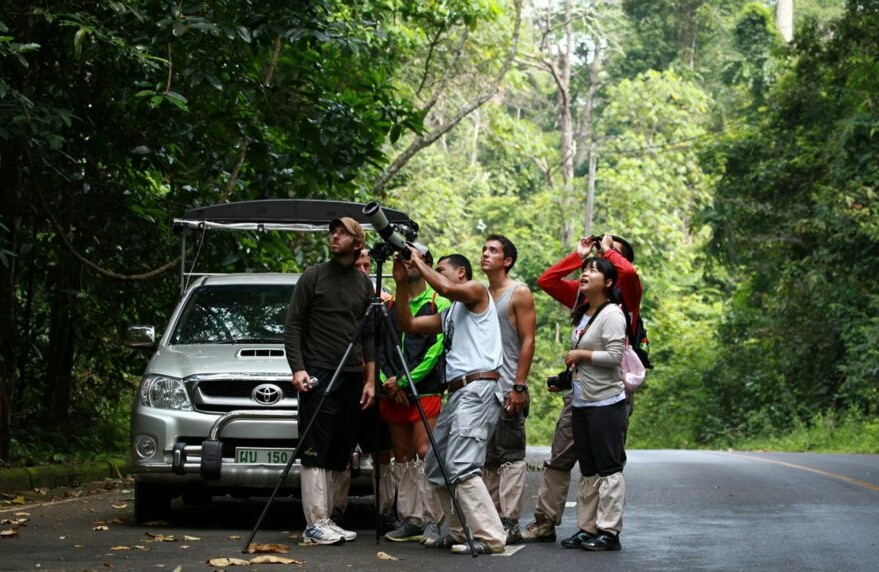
(743, 170)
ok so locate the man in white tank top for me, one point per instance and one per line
(473, 357)
(505, 459)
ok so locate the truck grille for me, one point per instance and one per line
(217, 394)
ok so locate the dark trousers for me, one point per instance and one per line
(599, 438)
(332, 437)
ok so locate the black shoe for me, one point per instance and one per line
(479, 546)
(578, 539)
(602, 541)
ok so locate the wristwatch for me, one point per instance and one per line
(520, 387)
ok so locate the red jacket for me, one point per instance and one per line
(553, 282)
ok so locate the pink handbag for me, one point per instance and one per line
(632, 371)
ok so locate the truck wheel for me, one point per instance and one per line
(151, 502)
(196, 496)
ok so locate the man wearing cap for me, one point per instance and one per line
(472, 341)
(373, 438)
(418, 506)
(327, 305)
(557, 470)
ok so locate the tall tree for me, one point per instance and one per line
(114, 117)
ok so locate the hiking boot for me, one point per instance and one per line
(539, 531)
(431, 532)
(577, 539)
(347, 535)
(480, 546)
(321, 533)
(406, 532)
(603, 540)
(514, 534)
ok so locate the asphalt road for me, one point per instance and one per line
(686, 510)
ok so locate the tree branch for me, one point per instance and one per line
(447, 72)
(423, 141)
(91, 265)
(273, 65)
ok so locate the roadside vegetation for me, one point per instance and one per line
(742, 165)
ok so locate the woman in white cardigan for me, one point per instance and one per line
(599, 418)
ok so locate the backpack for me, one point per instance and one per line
(640, 343)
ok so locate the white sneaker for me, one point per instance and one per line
(347, 535)
(321, 533)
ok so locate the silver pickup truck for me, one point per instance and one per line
(215, 412)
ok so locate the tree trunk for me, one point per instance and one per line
(9, 198)
(784, 19)
(569, 201)
(59, 358)
(586, 137)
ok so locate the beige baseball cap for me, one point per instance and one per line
(351, 226)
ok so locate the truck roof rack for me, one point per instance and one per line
(302, 215)
(285, 215)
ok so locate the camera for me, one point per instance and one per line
(397, 236)
(563, 380)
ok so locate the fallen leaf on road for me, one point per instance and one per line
(21, 514)
(101, 528)
(385, 556)
(8, 533)
(235, 537)
(18, 500)
(267, 549)
(117, 520)
(123, 505)
(161, 537)
(274, 560)
(120, 548)
(228, 562)
(190, 538)
(183, 547)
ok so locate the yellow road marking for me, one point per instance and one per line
(837, 476)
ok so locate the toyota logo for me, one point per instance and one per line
(266, 394)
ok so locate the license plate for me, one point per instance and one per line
(263, 456)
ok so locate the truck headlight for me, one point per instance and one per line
(164, 393)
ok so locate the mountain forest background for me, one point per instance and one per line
(735, 144)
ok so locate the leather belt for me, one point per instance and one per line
(460, 382)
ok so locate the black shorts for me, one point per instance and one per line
(372, 432)
(333, 434)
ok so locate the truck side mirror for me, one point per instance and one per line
(140, 337)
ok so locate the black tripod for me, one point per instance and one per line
(380, 253)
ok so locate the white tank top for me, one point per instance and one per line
(475, 340)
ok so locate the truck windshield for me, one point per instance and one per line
(228, 314)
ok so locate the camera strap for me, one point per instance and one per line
(589, 323)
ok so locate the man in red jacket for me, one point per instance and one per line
(557, 474)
